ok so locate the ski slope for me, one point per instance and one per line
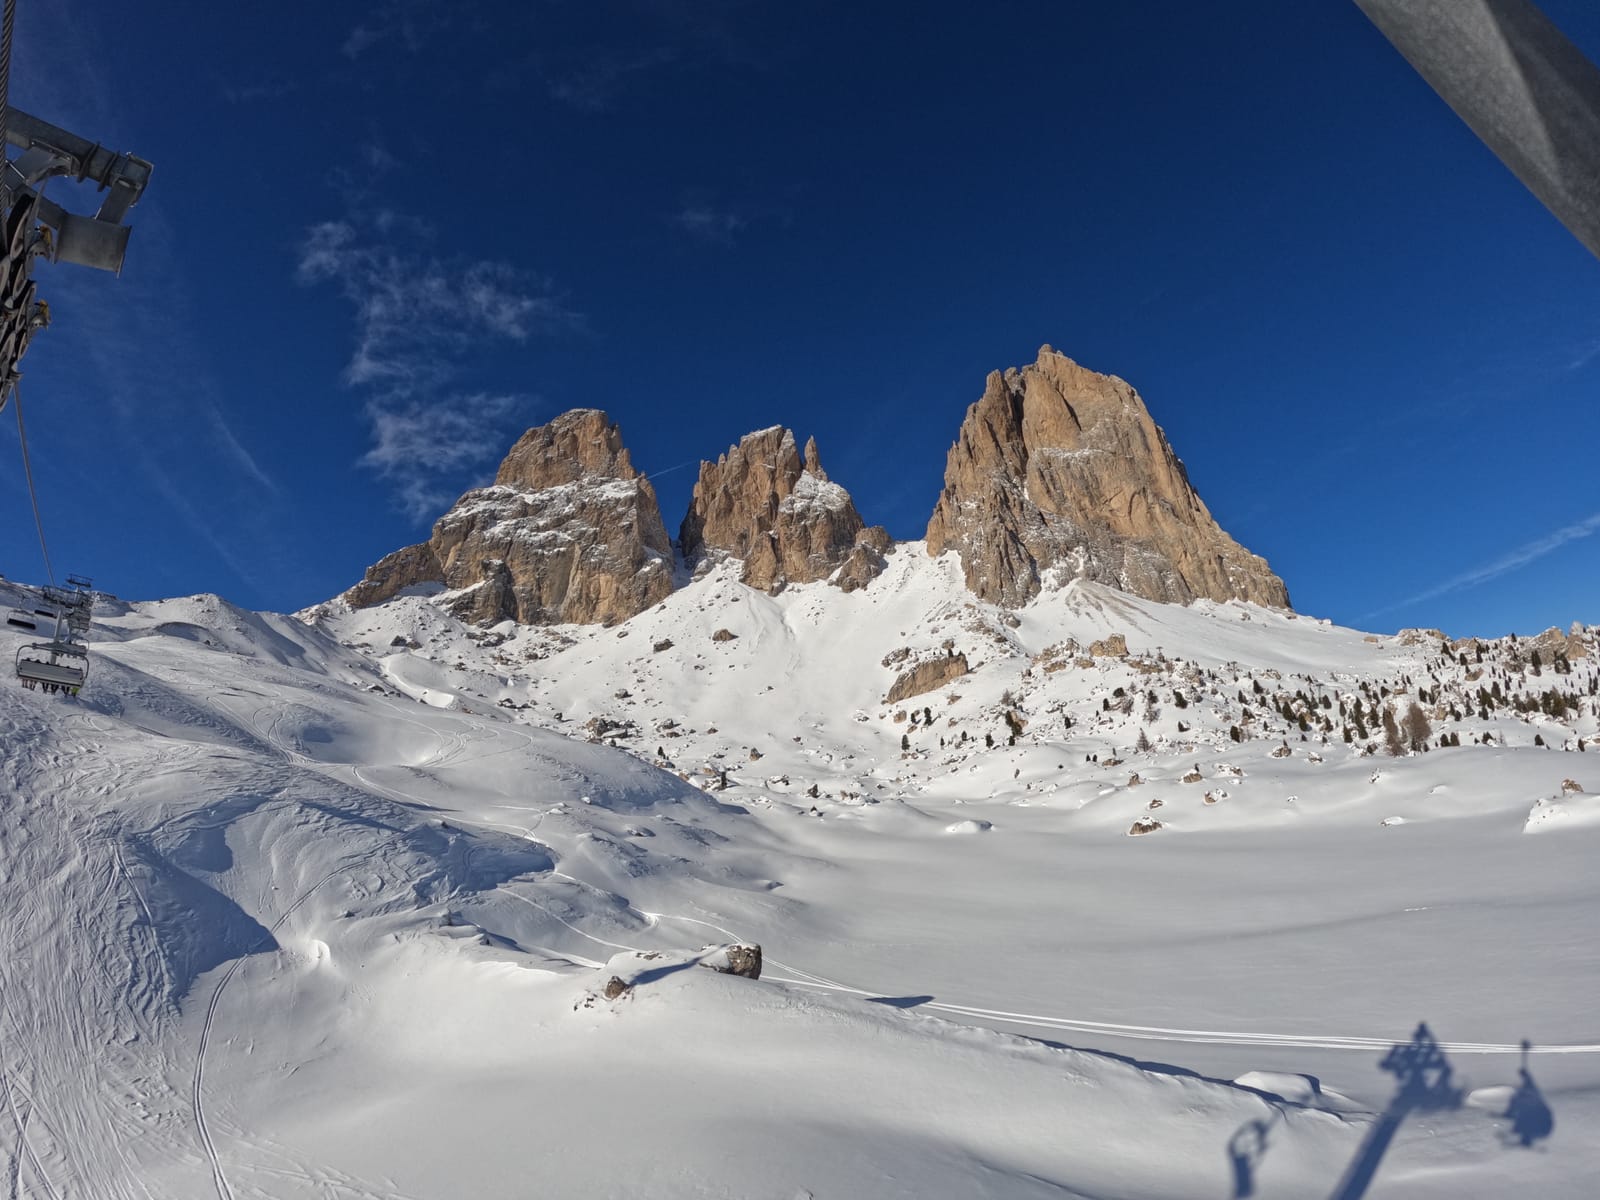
(297, 909)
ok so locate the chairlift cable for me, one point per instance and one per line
(27, 470)
(7, 20)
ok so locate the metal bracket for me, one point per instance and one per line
(49, 152)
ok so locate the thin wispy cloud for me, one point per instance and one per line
(265, 89)
(419, 319)
(224, 436)
(136, 351)
(710, 224)
(377, 157)
(1515, 560)
(418, 445)
(1585, 356)
(415, 312)
(600, 77)
(406, 23)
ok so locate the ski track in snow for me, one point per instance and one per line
(1151, 1033)
(224, 1189)
(25, 1147)
(1148, 1033)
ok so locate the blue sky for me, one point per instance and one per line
(385, 237)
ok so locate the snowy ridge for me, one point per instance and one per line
(811, 491)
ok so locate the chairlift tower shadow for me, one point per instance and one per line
(1424, 1086)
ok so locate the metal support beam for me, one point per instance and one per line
(1522, 87)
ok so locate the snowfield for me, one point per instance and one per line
(328, 906)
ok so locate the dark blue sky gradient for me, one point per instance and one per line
(1377, 355)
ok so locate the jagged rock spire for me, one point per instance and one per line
(764, 504)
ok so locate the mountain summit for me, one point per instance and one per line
(782, 515)
(569, 533)
(1059, 473)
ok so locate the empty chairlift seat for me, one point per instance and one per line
(21, 618)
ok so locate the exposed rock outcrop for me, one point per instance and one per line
(1114, 646)
(1570, 645)
(927, 676)
(392, 574)
(742, 959)
(1059, 473)
(569, 532)
(781, 515)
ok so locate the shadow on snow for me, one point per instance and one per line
(1424, 1084)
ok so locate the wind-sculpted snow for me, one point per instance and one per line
(222, 804)
(301, 911)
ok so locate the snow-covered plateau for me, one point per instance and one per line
(374, 904)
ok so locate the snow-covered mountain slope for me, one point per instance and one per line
(275, 928)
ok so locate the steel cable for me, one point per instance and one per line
(27, 470)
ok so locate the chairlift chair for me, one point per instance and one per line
(21, 618)
(55, 666)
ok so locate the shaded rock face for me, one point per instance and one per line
(393, 573)
(1059, 473)
(569, 532)
(780, 514)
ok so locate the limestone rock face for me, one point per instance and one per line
(393, 573)
(1059, 473)
(569, 532)
(1114, 646)
(927, 676)
(780, 514)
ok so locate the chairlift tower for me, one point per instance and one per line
(35, 226)
(32, 226)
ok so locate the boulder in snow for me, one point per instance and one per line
(737, 959)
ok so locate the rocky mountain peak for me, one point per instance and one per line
(581, 443)
(778, 512)
(569, 533)
(813, 464)
(1058, 473)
